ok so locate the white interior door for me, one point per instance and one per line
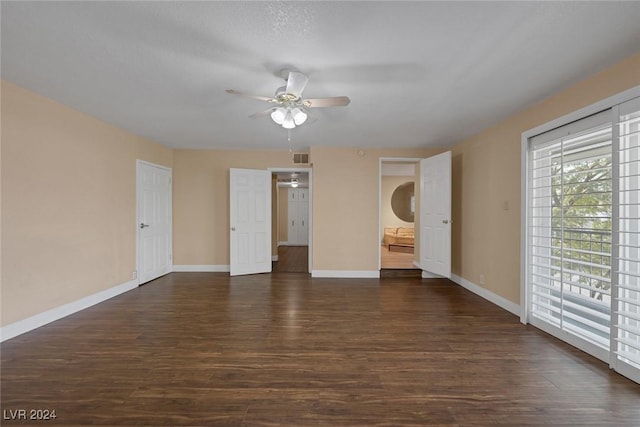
(250, 218)
(153, 221)
(303, 217)
(292, 219)
(435, 214)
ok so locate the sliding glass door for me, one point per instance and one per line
(583, 234)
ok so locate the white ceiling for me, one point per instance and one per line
(418, 73)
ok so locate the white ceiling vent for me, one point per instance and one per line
(300, 158)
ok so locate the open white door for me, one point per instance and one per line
(250, 218)
(153, 221)
(435, 214)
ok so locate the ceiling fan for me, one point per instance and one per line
(290, 108)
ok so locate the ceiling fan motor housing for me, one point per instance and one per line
(283, 96)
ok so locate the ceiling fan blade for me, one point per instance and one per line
(296, 83)
(337, 101)
(262, 113)
(261, 98)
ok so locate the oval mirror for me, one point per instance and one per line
(403, 202)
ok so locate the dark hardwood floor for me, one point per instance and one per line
(284, 349)
(292, 259)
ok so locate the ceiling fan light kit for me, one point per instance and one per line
(288, 117)
(291, 110)
(278, 115)
(299, 116)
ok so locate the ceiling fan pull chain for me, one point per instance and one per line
(289, 141)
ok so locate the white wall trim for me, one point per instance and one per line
(504, 303)
(201, 268)
(274, 258)
(347, 274)
(22, 326)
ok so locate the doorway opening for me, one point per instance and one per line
(292, 222)
(398, 203)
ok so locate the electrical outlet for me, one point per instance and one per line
(482, 279)
(134, 275)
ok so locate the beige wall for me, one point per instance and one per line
(68, 203)
(486, 180)
(201, 197)
(345, 206)
(201, 200)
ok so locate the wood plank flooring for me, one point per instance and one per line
(292, 259)
(395, 259)
(205, 349)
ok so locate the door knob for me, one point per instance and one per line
(445, 221)
(143, 225)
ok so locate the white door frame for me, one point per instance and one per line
(381, 160)
(139, 162)
(310, 172)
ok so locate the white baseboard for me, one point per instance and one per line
(347, 274)
(274, 258)
(22, 326)
(504, 303)
(201, 268)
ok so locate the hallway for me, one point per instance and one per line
(292, 259)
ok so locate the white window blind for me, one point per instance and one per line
(570, 228)
(626, 342)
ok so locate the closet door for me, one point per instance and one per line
(298, 216)
(303, 219)
(292, 217)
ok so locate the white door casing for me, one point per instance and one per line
(250, 221)
(153, 221)
(435, 214)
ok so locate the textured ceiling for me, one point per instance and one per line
(418, 73)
